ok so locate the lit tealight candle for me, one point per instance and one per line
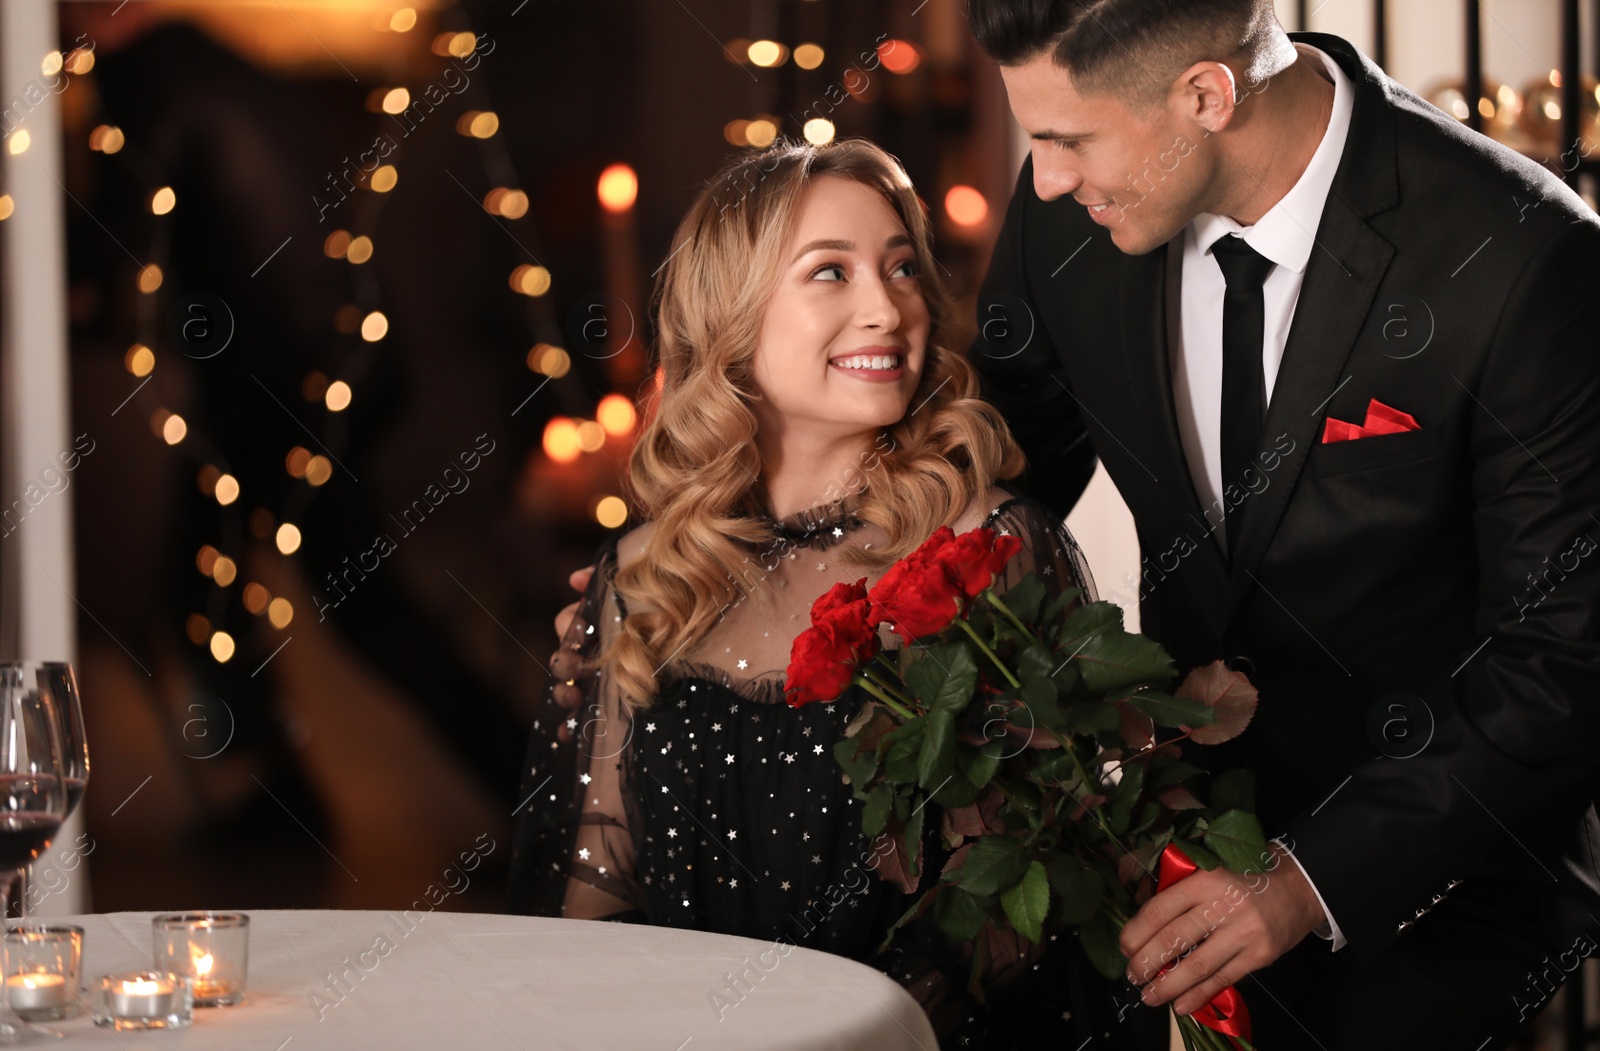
(36, 992)
(139, 998)
(210, 949)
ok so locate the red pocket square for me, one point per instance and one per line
(1381, 419)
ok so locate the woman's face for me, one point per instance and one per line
(845, 332)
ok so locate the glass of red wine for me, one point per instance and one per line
(57, 679)
(33, 785)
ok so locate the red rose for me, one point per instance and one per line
(827, 654)
(917, 595)
(925, 591)
(973, 558)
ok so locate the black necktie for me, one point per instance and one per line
(1244, 388)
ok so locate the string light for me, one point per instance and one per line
(255, 598)
(7, 206)
(106, 138)
(530, 280)
(610, 511)
(338, 397)
(561, 442)
(18, 143)
(808, 56)
(288, 538)
(819, 131)
(965, 206)
(767, 53)
(139, 360)
(760, 132)
(618, 188)
(163, 201)
(222, 647)
(374, 326)
(616, 414)
(899, 56)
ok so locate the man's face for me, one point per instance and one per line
(1140, 174)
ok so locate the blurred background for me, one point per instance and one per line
(323, 329)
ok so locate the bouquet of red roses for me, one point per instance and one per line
(1033, 725)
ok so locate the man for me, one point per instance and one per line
(1339, 356)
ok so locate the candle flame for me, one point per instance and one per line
(202, 963)
(141, 987)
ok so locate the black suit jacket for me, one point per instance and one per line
(1443, 576)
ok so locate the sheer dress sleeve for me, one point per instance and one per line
(573, 854)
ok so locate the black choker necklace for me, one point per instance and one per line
(819, 522)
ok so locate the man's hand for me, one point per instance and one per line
(565, 664)
(1227, 924)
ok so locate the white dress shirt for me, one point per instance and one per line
(1286, 234)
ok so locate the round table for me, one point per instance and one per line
(407, 979)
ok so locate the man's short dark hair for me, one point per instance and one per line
(1133, 49)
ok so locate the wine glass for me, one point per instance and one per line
(33, 790)
(57, 679)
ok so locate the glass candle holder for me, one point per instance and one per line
(43, 967)
(141, 1000)
(210, 948)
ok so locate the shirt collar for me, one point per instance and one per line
(1287, 232)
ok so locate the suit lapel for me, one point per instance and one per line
(1347, 265)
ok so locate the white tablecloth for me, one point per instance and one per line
(452, 981)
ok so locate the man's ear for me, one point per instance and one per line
(1208, 93)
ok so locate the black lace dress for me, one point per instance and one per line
(720, 808)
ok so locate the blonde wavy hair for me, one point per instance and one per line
(691, 470)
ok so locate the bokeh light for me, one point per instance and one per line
(288, 538)
(616, 414)
(618, 188)
(965, 206)
(561, 440)
(610, 511)
(338, 397)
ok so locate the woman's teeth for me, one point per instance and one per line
(863, 361)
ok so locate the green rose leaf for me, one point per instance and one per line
(1124, 796)
(1115, 659)
(980, 765)
(994, 862)
(937, 761)
(1024, 598)
(1237, 839)
(958, 914)
(1062, 601)
(1077, 887)
(1168, 710)
(876, 813)
(1099, 939)
(1027, 902)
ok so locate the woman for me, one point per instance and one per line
(810, 429)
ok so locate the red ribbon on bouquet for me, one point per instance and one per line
(1224, 1013)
